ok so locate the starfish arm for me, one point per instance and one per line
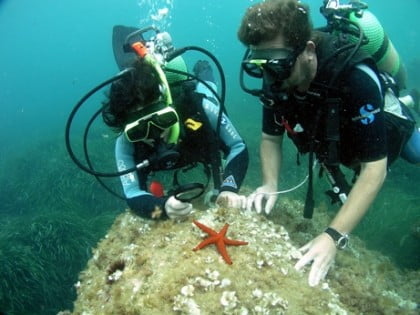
(222, 250)
(223, 231)
(205, 228)
(234, 242)
(207, 241)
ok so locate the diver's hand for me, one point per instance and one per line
(320, 252)
(257, 198)
(176, 209)
(231, 199)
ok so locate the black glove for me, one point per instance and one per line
(203, 71)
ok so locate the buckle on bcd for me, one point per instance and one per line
(192, 124)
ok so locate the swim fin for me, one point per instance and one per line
(122, 57)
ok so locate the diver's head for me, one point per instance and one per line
(278, 34)
(264, 21)
(136, 105)
(282, 69)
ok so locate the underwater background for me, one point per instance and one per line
(52, 214)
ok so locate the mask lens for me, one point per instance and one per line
(140, 129)
(276, 63)
(165, 120)
(279, 69)
(253, 68)
(137, 133)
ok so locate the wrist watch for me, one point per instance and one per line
(341, 240)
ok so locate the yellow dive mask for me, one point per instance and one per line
(163, 118)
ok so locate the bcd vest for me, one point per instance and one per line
(197, 142)
(321, 127)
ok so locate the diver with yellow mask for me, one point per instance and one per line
(168, 119)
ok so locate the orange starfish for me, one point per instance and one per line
(219, 239)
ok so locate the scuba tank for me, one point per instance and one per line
(378, 45)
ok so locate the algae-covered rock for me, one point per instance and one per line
(149, 267)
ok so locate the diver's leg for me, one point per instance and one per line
(412, 100)
(411, 151)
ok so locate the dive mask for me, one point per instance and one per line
(161, 117)
(277, 63)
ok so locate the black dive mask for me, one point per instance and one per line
(274, 66)
(276, 63)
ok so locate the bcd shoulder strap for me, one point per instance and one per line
(195, 123)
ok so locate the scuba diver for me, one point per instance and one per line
(328, 95)
(169, 119)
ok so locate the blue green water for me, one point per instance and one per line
(54, 51)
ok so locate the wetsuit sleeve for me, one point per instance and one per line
(237, 152)
(141, 202)
(363, 126)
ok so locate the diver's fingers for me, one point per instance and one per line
(239, 202)
(250, 201)
(305, 247)
(306, 258)
(258, 202)
(318, 271)
(270, 204)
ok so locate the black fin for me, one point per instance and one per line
(119, 34)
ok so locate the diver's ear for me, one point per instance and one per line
(308, 54)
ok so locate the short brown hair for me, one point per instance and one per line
(265, 20)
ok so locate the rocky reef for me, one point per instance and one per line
(149, 267)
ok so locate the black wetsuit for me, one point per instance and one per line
(362, 135)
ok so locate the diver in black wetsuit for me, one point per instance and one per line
(334, 104)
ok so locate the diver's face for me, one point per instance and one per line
(298, 74)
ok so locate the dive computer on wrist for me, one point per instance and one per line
(341, 240)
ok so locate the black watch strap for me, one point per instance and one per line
(341, 240)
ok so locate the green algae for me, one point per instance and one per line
(51, 216)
